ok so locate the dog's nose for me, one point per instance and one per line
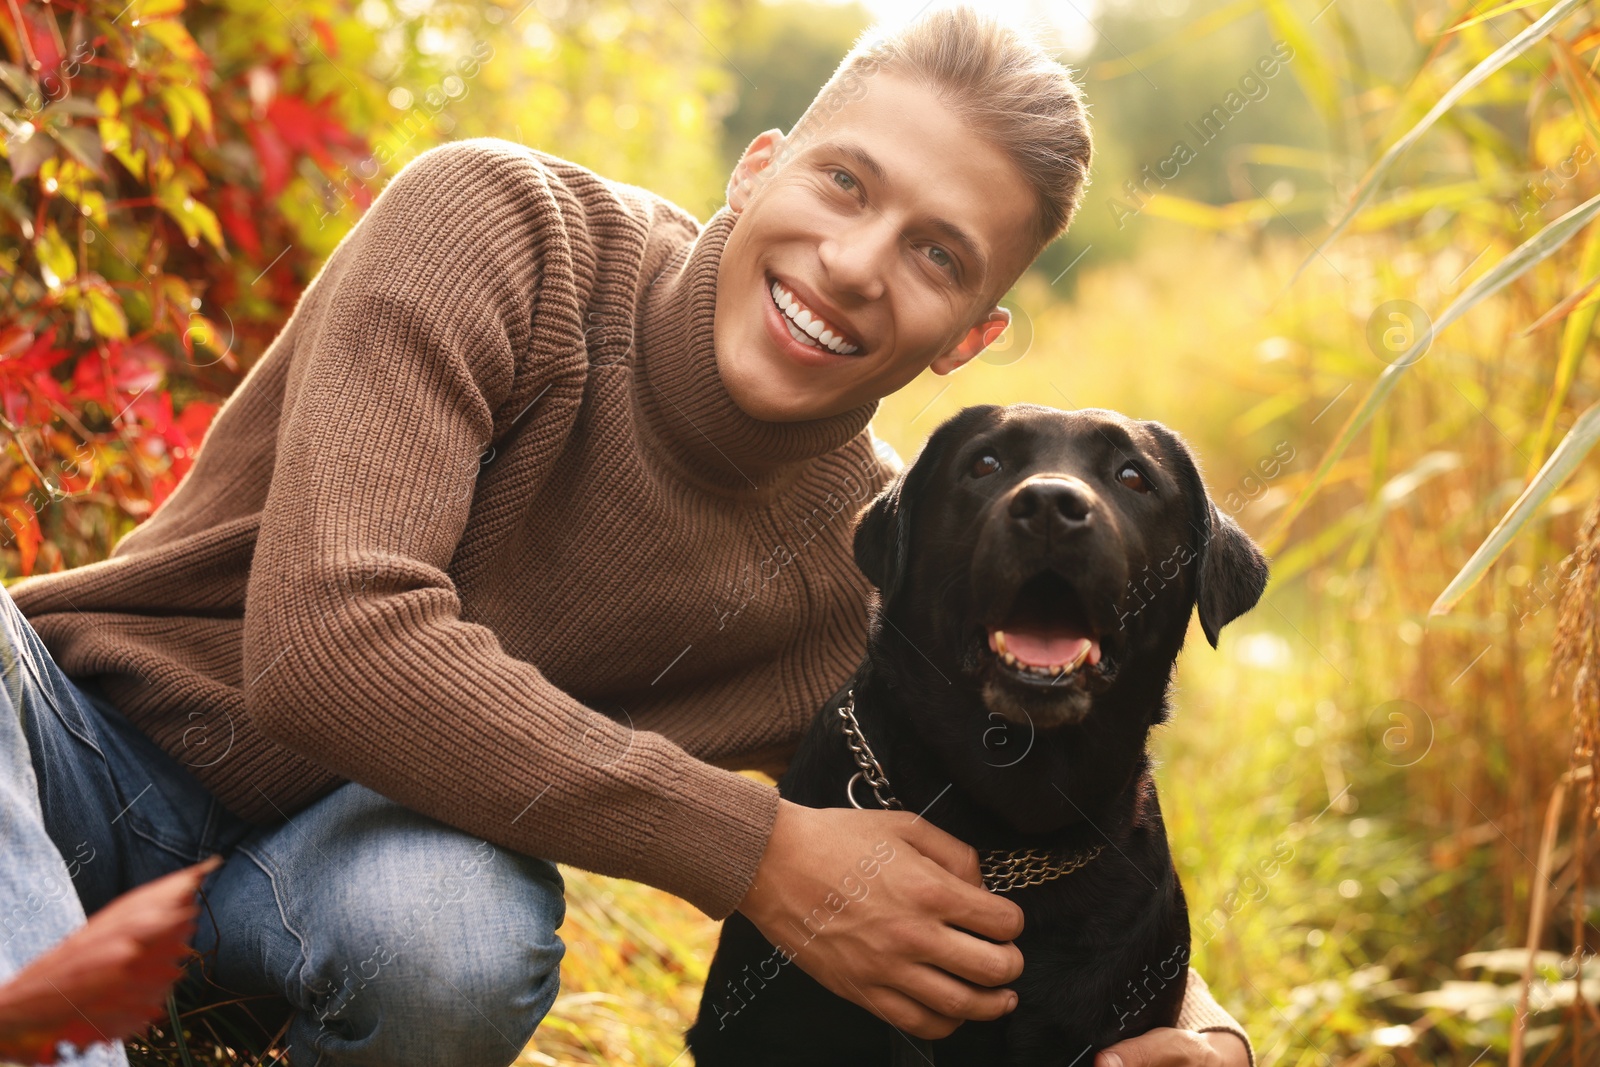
(1050, 507)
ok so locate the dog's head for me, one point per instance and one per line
(1047, 556)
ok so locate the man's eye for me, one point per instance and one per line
(1134, 478)
(948, 264)
(984, 465)
(847, 177)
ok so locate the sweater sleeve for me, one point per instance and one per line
(356, 654)
(1201, 1012)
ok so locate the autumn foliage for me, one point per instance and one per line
(145, 256)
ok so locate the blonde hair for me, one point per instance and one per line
(1000, 82)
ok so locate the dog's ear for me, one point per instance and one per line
(883, 537)
(882, 544)
(1232, 576)
(1231, 570)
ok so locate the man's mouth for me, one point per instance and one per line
(806, 326)
(1046, 637)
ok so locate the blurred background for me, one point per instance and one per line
(1362, 285)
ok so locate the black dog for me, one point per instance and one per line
(1036, 570)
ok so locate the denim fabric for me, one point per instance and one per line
(38, 904)
(391, 938)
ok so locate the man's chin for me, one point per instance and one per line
(772, 408)
(774, 396)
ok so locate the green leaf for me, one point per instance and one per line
(83, 145)
(1320, 83)
(196, 102)
(56, 261)
(1474, 77)
(172, 34)
(1568, 454)
(1574, 340)
(1537, 248)
(177, 111)
(194, 218)
(106, 315)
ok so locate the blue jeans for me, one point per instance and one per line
(385, 937)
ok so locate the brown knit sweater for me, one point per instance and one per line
(484, 531)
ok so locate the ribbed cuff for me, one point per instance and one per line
(718, 823)
(1201, 1012)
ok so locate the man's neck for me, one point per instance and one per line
(685, 405)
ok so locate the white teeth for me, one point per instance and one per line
(806, 327)
(798, 335)
(1058, 671)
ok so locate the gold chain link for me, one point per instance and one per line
(1002, 871)
(1019, 868)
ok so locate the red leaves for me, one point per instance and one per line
(330, 43)
(149, 250)
(296, 126)
(23, 522)
(178, 438)
(107, 979)
(237, 212)
(25, 381)
(135, 370)
(39, 42)
(273, 155)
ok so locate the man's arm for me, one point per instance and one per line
(356, 654)
(1206, 1035)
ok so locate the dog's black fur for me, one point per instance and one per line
(1000, 761)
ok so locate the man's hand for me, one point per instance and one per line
(876, 905)
(1168, 1047)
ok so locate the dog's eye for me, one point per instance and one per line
(984, 464)
(1133, 478)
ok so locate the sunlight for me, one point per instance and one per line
(1064, 26)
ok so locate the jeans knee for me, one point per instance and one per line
(446, 1011)
(457, 965)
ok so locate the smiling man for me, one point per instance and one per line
(903, 272)
(530, 527)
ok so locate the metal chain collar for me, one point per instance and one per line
(1002, 871)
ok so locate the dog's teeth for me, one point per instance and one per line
(1008, 657)
(1000, 642)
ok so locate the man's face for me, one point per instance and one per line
(872, 254)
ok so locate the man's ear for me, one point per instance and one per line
(1231, 571)
(753, 168)
(977, 339)
(1232, 575)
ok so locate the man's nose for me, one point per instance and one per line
(856, 259)
(1051, 507)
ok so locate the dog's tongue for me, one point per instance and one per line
(1046, 647)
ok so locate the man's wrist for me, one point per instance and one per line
(1231, 1049)
(755, 890)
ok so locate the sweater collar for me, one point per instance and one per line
(684, 402)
